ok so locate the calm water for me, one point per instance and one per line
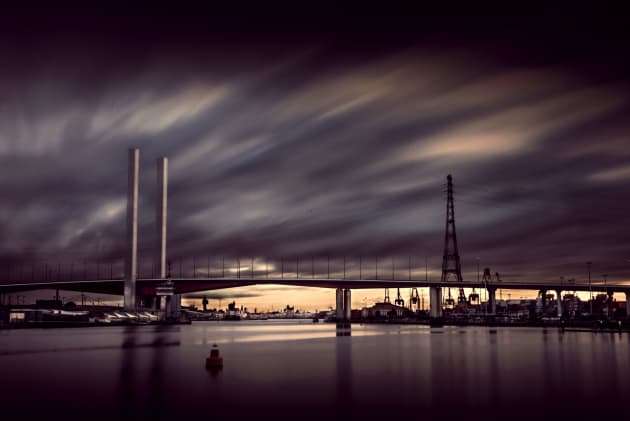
(275, 369)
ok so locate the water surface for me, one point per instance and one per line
(275, 369)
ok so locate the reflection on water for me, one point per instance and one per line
(343, 353)
(313, 370)
(132, 403)
(344, 329)
(126, 387)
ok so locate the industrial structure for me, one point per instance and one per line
(451, 264)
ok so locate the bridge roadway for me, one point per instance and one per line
(188, 285)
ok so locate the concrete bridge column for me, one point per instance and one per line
(435, 302)
(492, 298)
(176, 304)
(543, 300)
(339, 308)
(131, 255)
(160, 215)
(172, 306)
(609, 302)
(347, 307)
(559, 295)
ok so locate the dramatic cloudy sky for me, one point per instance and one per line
(320, 139)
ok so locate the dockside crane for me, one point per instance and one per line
(399, 300)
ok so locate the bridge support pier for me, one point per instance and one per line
(347, 306)
(435, 302)
(492, 298)
(344, 309)
(176, 305)
(559, 296)
(171, 304)
(160, 215)
(609, 302)
(543, 300)
(131, 256)
(339, 309)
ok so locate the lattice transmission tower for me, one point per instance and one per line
(451, 264)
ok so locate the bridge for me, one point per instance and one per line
(163, 292)
(149, 288)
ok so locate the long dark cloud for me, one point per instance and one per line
(321, 145)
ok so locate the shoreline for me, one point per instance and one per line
(564, 325)
(568, 326)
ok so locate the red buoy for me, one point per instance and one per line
(214, 360)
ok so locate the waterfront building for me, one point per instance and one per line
(384, 311)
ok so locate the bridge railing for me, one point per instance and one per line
(300, 267)
(61, 271)
(237, 267)
(244, 267)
